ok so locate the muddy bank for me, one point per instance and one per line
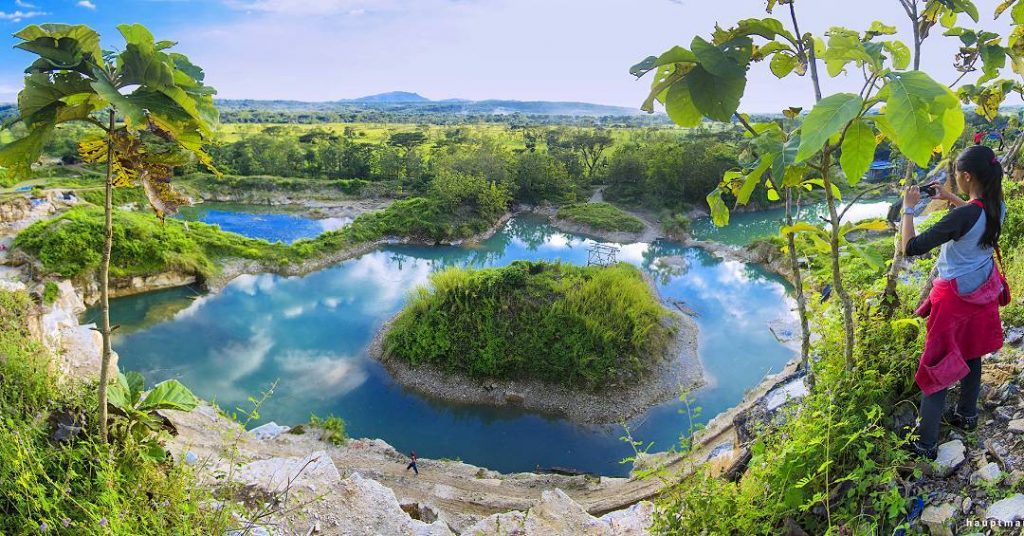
(679, 370)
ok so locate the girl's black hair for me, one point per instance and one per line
(981, 162)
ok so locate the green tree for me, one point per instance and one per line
(908, 107)
(165, 108)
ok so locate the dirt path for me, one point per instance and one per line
(598, 195)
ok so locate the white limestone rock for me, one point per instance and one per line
(989, 472)
(940, 519)
(368, 507)
(274, 475)
(951, 455)
(558, 515)
(778, 396)
(268, 431)
(1008, 510)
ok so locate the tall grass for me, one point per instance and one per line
(80, 486)
(601, 216)
(584, 327)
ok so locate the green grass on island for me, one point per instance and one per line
(71, 244)
(582, 327)
(602, 216)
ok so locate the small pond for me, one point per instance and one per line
(269, 223)
(309, 334)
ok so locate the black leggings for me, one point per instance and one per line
(932, 405)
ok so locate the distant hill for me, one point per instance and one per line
(393, 96)
(413, 103)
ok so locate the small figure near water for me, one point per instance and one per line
(412, 464)
(963, 306)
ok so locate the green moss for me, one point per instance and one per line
(601, 216)
(584, 327)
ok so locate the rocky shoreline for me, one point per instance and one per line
(665, 381)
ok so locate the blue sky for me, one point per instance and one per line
(518, 49)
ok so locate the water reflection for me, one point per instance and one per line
(270, 223)
(311, 333)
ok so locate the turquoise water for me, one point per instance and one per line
(745, 226)
(310, 335)
(268, 223)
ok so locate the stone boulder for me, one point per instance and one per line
(557, 514)
(364, 506)
(276, 475)
(1008, 510)
(951, 455)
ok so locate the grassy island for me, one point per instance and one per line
(601, 216)
(581, 327)
(71, 244)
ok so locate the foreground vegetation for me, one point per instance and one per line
(583, 327)
(77, 484)
(601, 216)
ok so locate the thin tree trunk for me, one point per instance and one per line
(890, 298)
(801, 302)
(837, 276)
(108, 241)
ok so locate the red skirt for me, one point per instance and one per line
(960, 328)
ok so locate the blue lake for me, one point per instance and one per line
(268, 223)
(309, 334)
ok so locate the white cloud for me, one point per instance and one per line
(425, 45)
(327, 373)
(19, 15)
(24, 4)
(314, 7)
(86, 4)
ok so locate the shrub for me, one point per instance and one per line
(583, 327)
(332, 429)
(50, 292)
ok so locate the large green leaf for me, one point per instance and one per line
(170, 394)
(858, 151)
(715, 61)
(63, 46)
(783, 64)
(845, 46)
(716, 97)
(45, 94)
(19, 155)
(719, 210)
(916, 111)
(119, 393)
(827, 117)
(752, 180)
(899, 53)
(680, 108)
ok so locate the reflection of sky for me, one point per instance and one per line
(266, 223)
(310, 334)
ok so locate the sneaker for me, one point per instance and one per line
(967, 424)
(916, 448)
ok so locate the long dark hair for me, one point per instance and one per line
(981, 162)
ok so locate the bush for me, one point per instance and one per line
(583, 327)
(332, 429)
(79, 486)
(601, 216)
(675, 224)
(50, 292)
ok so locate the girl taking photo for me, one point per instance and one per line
(963, 306)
